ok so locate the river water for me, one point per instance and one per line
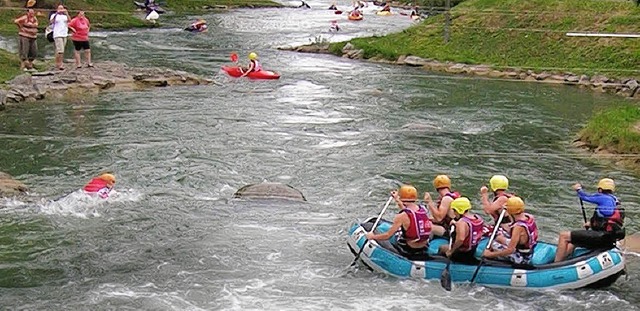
(343, 132)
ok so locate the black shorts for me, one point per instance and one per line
(592, 239)
(81, 45)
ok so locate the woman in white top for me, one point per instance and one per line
(59, 22)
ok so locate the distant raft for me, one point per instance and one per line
(269, 191)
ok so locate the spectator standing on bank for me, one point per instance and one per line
(59, 22)
(80, 38)
(27, 34)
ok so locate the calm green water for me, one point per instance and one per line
(343, 132)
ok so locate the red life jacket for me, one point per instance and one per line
(95, 185)
(446, 220)
(419, 227)
(475, 233)
(613, 224)
(532, 232)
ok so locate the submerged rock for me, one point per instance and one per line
(269, 191)
(11, 187)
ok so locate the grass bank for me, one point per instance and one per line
(616, 130)
(523, 34)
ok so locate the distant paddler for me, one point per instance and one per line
(101, 185)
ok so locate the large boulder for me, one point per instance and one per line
(11, 187)
(269, 191)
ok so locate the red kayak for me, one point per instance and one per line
(261, 74)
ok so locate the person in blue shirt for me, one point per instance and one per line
(606, 224)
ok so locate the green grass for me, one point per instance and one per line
(10, 64)
(615, 130)
(525, 34)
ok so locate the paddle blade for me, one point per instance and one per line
(234, 57)
(445, 279)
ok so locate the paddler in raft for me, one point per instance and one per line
(524, 236)
(101, 185)
(441, 213)
(412, 220)
(499, 185)
(606, 224)
(468, 232)
(254, 65)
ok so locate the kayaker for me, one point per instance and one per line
(412, 220)
(355, 13)
(524, 235)
(499, 185)
(441, 213)
(386, 8)
(101, 185)
(606, 224)
(254, 65)
(468, 233)
(333, 6)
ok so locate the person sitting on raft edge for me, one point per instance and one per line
(412, 220)
(101, 185)
(254, 65)
(606, 224)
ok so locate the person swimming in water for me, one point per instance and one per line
(101, 185)
(198, 26)
(334, 26)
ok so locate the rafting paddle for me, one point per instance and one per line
(584, 214)
(372, 228)
(445, 277)
(493, 235)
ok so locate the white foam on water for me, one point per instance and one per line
(82, 205)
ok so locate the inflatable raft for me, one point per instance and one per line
(236, 72)
(384, 13)
(585, 268)
(355, 18)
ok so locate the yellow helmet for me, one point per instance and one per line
(408, 193)
(499, 182)
(253, 56)
(515, 205)
(606, 184)
(461, 205)
(109, 178)
(442, 181)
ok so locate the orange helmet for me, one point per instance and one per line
(408, 193)
(442, 181)
(109, 178)
(515, 205)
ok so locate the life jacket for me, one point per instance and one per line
(613, 224)
(419, 227)
(495, 216)
(447, 219)
(532, 231)
(475, 233)
(256, 65)
(95, 185)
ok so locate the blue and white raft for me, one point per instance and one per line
(585, 268)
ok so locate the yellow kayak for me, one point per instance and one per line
(384, 13)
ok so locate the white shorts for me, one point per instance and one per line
(60, 43)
